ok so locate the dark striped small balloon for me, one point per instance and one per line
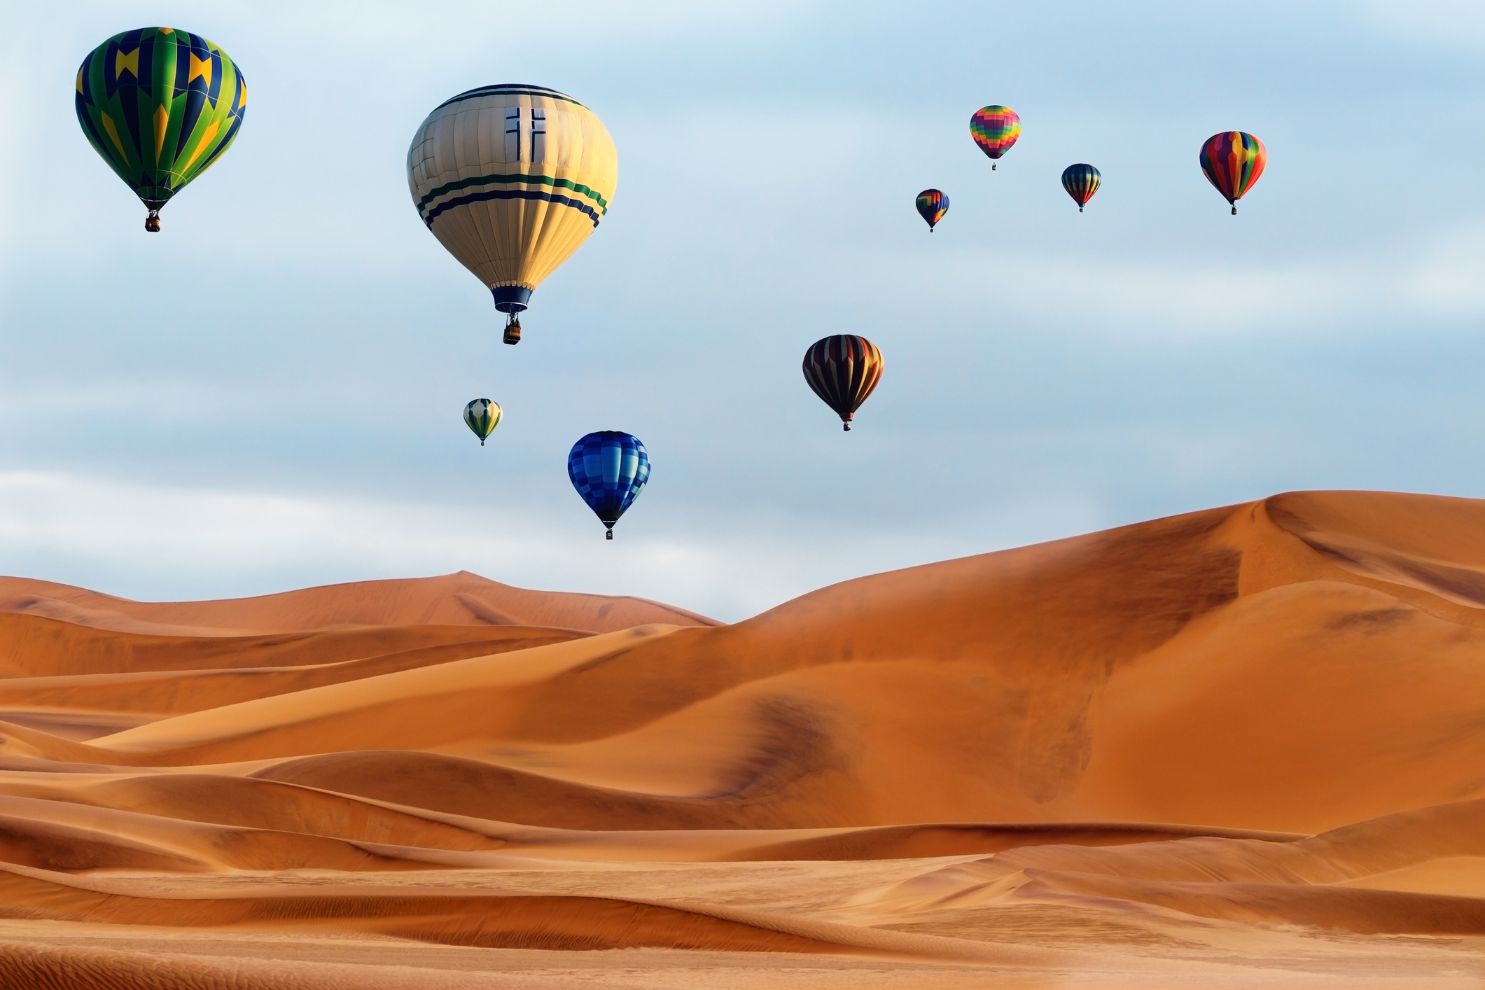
(843, 370)
(932, 205)
(1081, 181)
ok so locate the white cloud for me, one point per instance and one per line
(1448, 278)
(1451, 23)
(151, 541)
(1190, 299)
(454, 27)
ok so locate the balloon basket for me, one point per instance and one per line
(609, 535)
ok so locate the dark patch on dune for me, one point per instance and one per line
(792, 741)
(484, 612)
(1372, 620)
(1156, 579)
(1461, 582)
(791, 747)
(49, 846)
(1160, 576)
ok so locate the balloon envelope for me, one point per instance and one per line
(482, 416)
(160, 106)
(608, 469)
(1232, 162)
(995, 129)
(932, 205)
(512, 179)
(843, 369)
(1081, 181)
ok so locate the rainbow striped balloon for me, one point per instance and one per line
(1233, 161)
(995, 129)
(932, 205)
(1081, 181)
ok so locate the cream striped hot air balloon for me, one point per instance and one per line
(511, 179)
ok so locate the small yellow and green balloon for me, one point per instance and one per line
(160, 106)
(482, 416)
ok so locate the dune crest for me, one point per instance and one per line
(1239, 747)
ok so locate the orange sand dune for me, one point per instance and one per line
(1241, 747)
(454, 599)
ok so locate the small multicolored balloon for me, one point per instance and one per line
(995, 129)
(159, 106)
(1081, 181)
(482, 416)
(843, 369)
(932, 205)
(1233, 161)
(608, 469)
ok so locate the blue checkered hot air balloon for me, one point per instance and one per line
(608, 468)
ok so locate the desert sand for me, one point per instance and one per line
(1243, 747)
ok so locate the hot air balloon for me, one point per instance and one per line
(511, 179)
(995, 129)
(160, 106)
(482, 416)
(932, 205)
(1081, 181)
(1233, 161)
(843, 369)
(608, 469)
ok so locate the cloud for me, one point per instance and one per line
(1193, 299)
(1446, 277)
(1449, 23)
(459, 26)
(159, 541)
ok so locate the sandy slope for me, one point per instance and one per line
(1241, 747)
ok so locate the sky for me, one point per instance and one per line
(267, 394)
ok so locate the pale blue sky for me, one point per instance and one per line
(268, 393)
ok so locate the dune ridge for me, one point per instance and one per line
(1244, 746)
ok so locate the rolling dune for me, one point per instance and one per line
(1240, 747)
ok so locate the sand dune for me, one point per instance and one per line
(1239, 747)
(453, 599)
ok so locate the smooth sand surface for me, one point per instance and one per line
(1237, 748)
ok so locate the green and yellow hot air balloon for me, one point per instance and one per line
(160, 106)
(482, 416)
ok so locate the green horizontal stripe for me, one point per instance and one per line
(541, 180)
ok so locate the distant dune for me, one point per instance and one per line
(1240, 747)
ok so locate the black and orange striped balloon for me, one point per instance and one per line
(1081, 181)
(843, 369)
